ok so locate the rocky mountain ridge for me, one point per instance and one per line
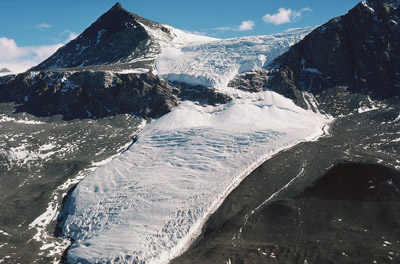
(97, 94)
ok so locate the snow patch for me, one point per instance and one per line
(99, 35)
(397, 119)
(4, 118)
(4, 233)
(137, 70)
(364, 3)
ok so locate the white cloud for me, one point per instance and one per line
(223, 28)
(19, 59)
(285, 16)
(195, 32)
(43, 26)
(246, 25)
(10, 50)
(71, 36)
(306, 9)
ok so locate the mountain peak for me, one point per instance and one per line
(97, 44)
(4, 70)
(117, 6)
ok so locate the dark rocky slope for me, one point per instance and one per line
(89, 94)
(341, 63)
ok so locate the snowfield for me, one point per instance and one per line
(148, 204)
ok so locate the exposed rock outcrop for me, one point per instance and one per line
(90, 94)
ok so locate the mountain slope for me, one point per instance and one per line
(117, 36)
(341, 64)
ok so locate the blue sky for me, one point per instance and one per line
(45, 25)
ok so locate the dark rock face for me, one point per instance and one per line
(200, 94)
(89, 94)
(253, 81)
(117, 36)
(340, 63)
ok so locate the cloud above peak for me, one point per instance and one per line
(244, 26)
(43, 26)
(19, 59)
(284, 16)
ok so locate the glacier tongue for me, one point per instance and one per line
(216, 62)
(146, 205)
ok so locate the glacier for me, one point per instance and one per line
(214, 63)
(148, 204)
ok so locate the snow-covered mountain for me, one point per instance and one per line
(148, 204)
(215, 110)
(100, 80)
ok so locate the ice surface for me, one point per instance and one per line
(216, 62)
(148, 203)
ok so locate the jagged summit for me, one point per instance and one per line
(117, 6)
(117, 36)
